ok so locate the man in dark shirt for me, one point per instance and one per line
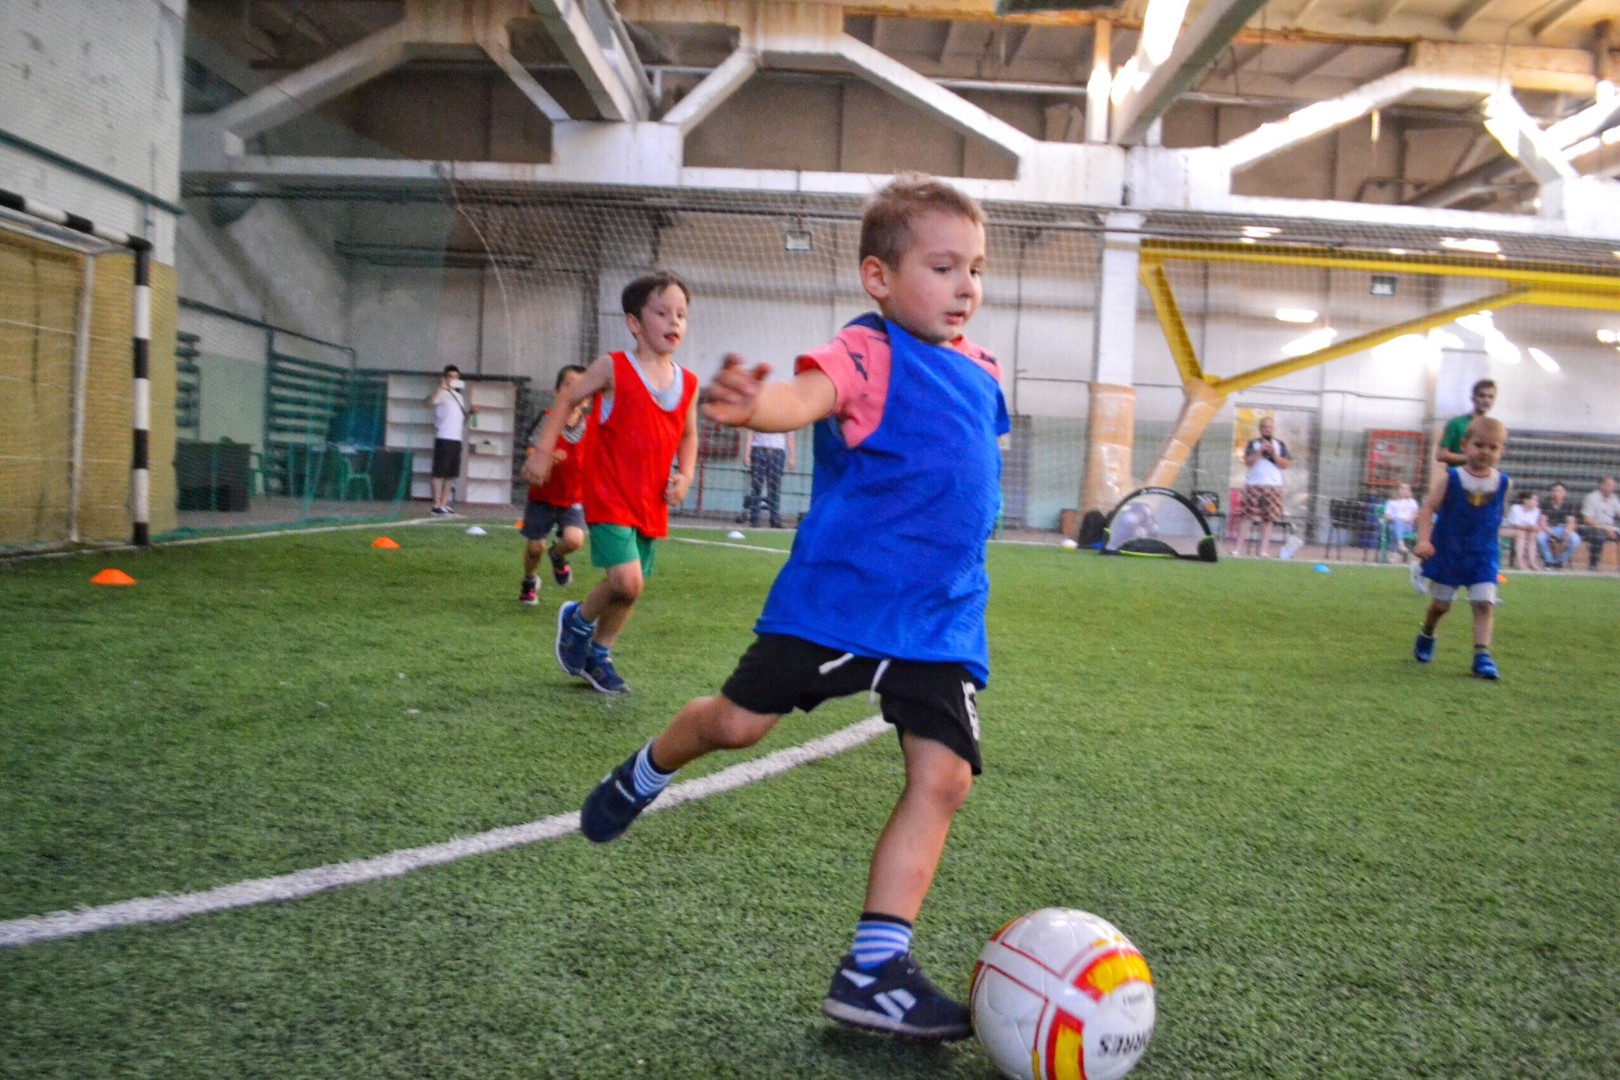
(1560, 532)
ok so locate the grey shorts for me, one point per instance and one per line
(540, 518)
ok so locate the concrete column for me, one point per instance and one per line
(1111, 421)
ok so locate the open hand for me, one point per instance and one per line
(731, 396)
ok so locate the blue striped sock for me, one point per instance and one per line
(647, 780)
(878, 938)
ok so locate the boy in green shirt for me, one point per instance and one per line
(1449, 452)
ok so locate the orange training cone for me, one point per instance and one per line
(112, 577)
(385, 543)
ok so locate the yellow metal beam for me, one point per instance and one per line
(1153, 278)
(1538, 275)
(1586, 301)
(1356, 344)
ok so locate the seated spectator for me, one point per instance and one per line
(1400, 517)
(1523, 524)
(1600, 520)
(1560, 529)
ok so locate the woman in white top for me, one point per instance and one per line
(1523, 523)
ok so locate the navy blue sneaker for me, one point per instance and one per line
(613, 804)
(573, 640)
(600, 673)
(1484, 666)
(1423, 648)
(895, 998)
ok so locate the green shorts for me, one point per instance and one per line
(615, 545)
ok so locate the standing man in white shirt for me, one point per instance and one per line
(450, 413)
(1265, 458)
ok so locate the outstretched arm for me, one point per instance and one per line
(738, 396)
(597, 379)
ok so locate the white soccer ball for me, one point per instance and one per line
(1060, 993)
(1066, 542)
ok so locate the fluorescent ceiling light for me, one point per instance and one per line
(1548, 364)
(1260, 232)
(1497, 345)
(1472, 243)
(1309, 343)
(1296, 315)
(1609, 337)
(1408, 349)
(1441, 338)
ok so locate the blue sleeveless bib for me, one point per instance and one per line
(1465, 536)
(889, 561)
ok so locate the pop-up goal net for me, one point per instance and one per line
(1158, 522)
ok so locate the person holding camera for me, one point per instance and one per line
(1265, 458)
(450, 413)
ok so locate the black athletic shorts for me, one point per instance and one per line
(446, 458)
(780, 673)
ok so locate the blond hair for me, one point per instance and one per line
(886, 222)
(1487, 427)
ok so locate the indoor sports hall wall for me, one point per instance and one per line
(518, 284)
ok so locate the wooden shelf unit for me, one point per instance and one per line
(486, 459)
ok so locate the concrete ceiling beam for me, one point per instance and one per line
(1323, 116)
(716, 87)
(600, 56)
(1196, 47)
(1524, 142)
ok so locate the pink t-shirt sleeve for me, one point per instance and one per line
(857, 362)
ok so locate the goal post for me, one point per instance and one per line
(53, 330)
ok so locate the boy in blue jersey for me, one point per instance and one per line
(907, 419)
(1457, 539)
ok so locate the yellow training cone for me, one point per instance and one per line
(112, 577)
(385, 543)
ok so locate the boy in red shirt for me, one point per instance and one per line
(559, 502)
(647, 418)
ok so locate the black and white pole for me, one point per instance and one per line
(140, 483)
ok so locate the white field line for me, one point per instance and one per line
(157, 909)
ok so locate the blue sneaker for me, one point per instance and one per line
(895, 998)
(573, 639)
(1423, 648)
(613, 804)
(1484, 666)
(600, 673)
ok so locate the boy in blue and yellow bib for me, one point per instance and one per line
(1457, 538)
(907, 419)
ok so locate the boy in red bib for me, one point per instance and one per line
(646, 417)
(559, 503)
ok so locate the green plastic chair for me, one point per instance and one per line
(353, 475)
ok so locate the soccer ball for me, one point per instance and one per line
(1062, 995)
